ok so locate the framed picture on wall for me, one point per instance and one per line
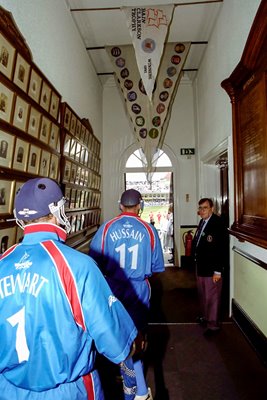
(78, 129)
(44, 163)
(7, 238)
(73, 123)
(20, 113)
(35, 85)
(22, 73)
(67, 118)
(67, 142)
(73, 144)
(7, 56)
(73, 172)
(17, 187)
(6, 102)
(53, 170)
(6, 196)
(45, 96)
(21, 155)
(54, 106)
(6, 149)
(45, 129)
(34, 122)
(54, 137)
(34, 159)
(67, 169)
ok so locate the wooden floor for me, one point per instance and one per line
(180, 363)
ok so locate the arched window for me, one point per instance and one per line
(136, 160)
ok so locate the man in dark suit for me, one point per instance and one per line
(209, 252)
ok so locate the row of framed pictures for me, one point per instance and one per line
(76, 127)
(21, 155)
(22, 115)
(78, 175)
(11, 235)
(28, 78)
(80, 153)
(82, 221)
(79, 198)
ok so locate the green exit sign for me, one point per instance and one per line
(187, 152)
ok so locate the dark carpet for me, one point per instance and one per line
(181, 363)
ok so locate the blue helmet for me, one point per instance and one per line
(131, 198)
(37, 198)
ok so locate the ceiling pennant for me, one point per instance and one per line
(149, 120)
(148, 28)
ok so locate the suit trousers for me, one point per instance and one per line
(210, 300)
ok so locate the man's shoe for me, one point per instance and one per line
(147, 396)
(201, 320)
(211, 332)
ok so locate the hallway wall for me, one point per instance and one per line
(214, 116)
(58, 50)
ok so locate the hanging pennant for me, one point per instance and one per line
(149, 120)
(148, 27)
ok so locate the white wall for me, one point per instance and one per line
(214, 117)
(58, 51)
(118, 136)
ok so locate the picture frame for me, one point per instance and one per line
(21, 111)
(34, 122)
(20, 155)
(73, 122)
(67, 196)
(7, 238)
(45, 96)
(7, 56)
(73, 172)
(6, 196)
(72, 151)
(45, 129)
(34, 159)
(73, 223)
(73, 198)
(53, 170)
(44, 163)
(6, 102)
(54, 137)
(78, 129)
(54, 105)
(67, 142)
(67, 118)
(78, 175)
(67, 171)
(77, 154)
(22, 73)
(35, 85)
(6, 149)
(18, 185)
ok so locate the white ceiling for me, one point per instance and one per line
(102, 23)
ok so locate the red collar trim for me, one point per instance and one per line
(46, 227)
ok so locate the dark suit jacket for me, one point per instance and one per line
(210, 254)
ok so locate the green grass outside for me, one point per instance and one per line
(155, 210)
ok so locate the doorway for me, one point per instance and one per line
(158, 206)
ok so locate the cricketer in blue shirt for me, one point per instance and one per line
(56, 309)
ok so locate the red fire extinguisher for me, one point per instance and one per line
(187, 239)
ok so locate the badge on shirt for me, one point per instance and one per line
(209, 238)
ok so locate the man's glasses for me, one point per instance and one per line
(203, 208)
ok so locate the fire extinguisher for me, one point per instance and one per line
(187, 239)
